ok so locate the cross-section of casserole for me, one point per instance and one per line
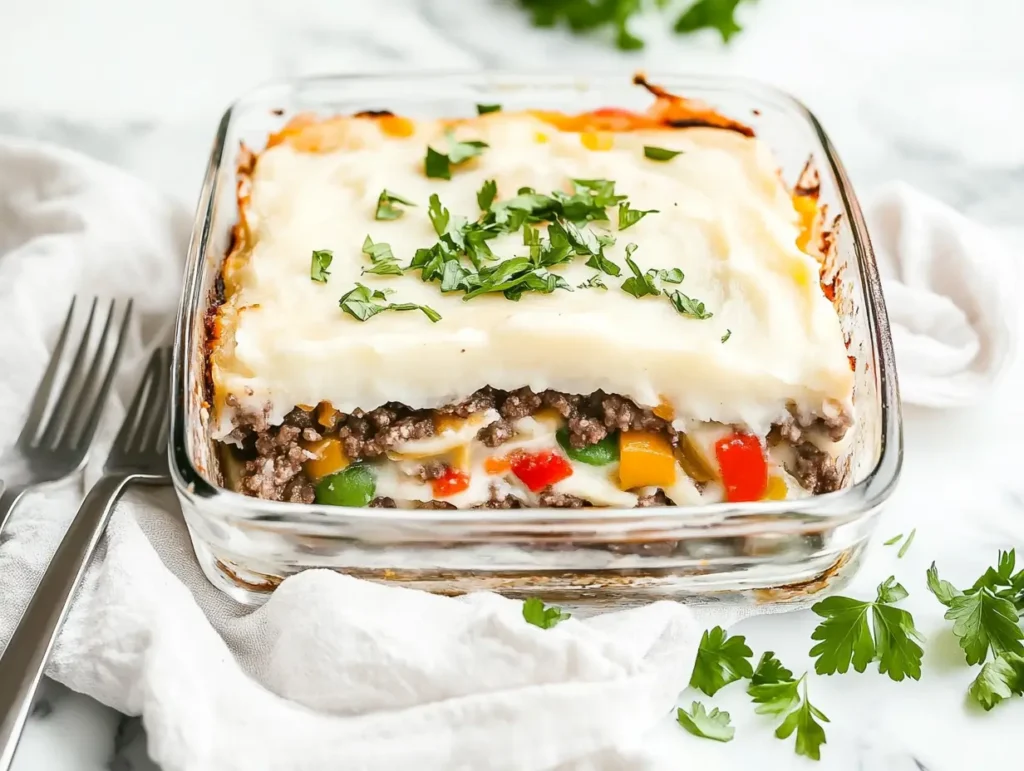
(527, 309)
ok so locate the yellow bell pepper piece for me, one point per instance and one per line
(599, 141)
(330, 458)
(777, 489)
(645, 458)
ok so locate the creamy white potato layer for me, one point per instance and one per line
(723, 217)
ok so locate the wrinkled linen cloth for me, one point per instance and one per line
(335, 672)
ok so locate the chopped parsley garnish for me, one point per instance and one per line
(769, 670)
(594, 282)
(319, 264)
(894, 540)
(708, 725)
(386, 209)
(687, 305)
(660, 153)
(438, 165)
(384, 262)
(483, 109)
(640, 284)
(629, 217)
(485, 197)
(721, 660)
(671, 276)
(363, 303)
(858, 632)
(545, 616)
(710, 14)
(727, 335)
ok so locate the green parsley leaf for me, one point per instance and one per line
(488, 192)
(894, 539)
(319, 264)
(364, 303)
(1002, 574)
(660, 153)
(707, 725)
(983, 621)
(846, 636)
(720, 660)
(906, 544)
(439, 216)
(809, 733)
(384, 262)
(1000, 678)
(386, 209)
(629, 217)
(594, 282)
(483, 109)
(770, 670)
(944, 591)
(775, 698)
(460, 152)
(545, 616)
(727, 335)
(641, 284)
(672, 276)
(688, 306)
(437, 165)
(710, 14)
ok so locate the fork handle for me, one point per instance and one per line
(9, 497)
(23, 661)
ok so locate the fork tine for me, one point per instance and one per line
(70, 433)
(125, 436)
(157, 407)
(42, 395)
(92, 420)
(55, 425)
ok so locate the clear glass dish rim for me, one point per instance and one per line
(849, 503)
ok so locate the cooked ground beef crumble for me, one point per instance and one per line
(273, 465)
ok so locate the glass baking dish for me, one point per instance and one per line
(782, 551)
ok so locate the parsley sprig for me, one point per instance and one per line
(777, 693)
(721, 660)
(596, 14)
(858, 632)
(986, 620)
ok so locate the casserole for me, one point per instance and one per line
(612, 554)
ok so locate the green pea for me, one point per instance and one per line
(354, 486)
(600, 454)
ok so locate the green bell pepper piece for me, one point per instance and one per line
(353, 486)
(600, 454)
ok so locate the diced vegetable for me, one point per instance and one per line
(444, 423)
(807, 207)
(330, 458)
(777, 489)
(497, 466)
(460, 457)
(355, 486)
(693, 460)
(665, 411)
(453, 481)
(744, 470)
(326, 415)
(645, 458)
(600, 454)
(540, 469)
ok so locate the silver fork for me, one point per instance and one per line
(139, 454)
(52, 449)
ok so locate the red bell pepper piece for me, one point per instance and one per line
(538, 470)
(744, 469)
(453, 481)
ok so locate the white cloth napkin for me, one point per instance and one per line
(339, 673)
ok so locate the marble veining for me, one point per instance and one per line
(931, 93)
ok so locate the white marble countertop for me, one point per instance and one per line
(932, 93)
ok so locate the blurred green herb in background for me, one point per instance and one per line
(587, 15)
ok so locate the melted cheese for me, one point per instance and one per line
(724, 218)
